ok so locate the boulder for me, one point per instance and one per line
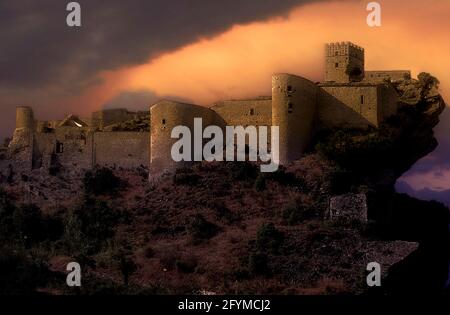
(349, 206)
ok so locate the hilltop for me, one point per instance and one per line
(227, 228)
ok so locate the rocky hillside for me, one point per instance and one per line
(226, 228)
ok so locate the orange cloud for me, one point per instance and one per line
(240, 62)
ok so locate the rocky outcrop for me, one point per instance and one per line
(349, 206)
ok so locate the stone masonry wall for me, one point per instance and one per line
(121, 149)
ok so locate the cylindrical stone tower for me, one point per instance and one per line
(294, 103)
(24, 117)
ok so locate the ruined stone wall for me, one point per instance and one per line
(121, 149)
(344, 62)
(294, 103)
(166, 115)
(44, 147)
(348, 106)
(104, 118)
(72, 148)
(390, 75)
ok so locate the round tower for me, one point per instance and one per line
(294, 103)
(164, 116)
(24, 117)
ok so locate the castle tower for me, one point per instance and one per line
(344, 63)
(24, 117)
(294, 102)
(21, 145)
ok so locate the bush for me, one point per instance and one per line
(200, 229)
(19, 275)
(427, 82)
(242, 171)
(286, 178)
(260, 183)
(295, 213)
(89, 225)
(186, 264)
(127, 267)
(149, 252)
(101, 181)
(356, 151)
(185, 177)
(269, 238)
(27, 225)
(258, 263)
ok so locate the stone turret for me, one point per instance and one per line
(294, 102)
(21, 146)
(24, 117)
(344, 63)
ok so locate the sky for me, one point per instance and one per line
(133, 53)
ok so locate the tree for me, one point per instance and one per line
(427, 82)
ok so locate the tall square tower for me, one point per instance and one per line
(344, 63)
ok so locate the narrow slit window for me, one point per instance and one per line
(336, 65)
(362, 99)
(290, 108)
(252, 111)
(59, 147)
(164, 121)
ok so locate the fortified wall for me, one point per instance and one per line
(349, 97)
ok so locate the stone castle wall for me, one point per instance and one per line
(392, 75)
(255, 112)
(348, 106)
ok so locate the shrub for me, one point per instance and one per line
(295, 213)
(19, 275)
(258, 263)
(200, 229)
(269, 238)
(242, 171)
(186, 264)
(427, 82)
(127, 267)
(185, 177)
(286, 178)
(101, 181)
(27, 224)
(354, 151)
(89, 225)
(260, 183)
(149, 252)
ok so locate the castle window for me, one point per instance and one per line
(59, 147)
(163, 121)
(290, 108)
(362, 99)
(289, 88)
(252, 111)
(336, 65)
(336, 53)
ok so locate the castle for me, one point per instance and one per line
(349, 97)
